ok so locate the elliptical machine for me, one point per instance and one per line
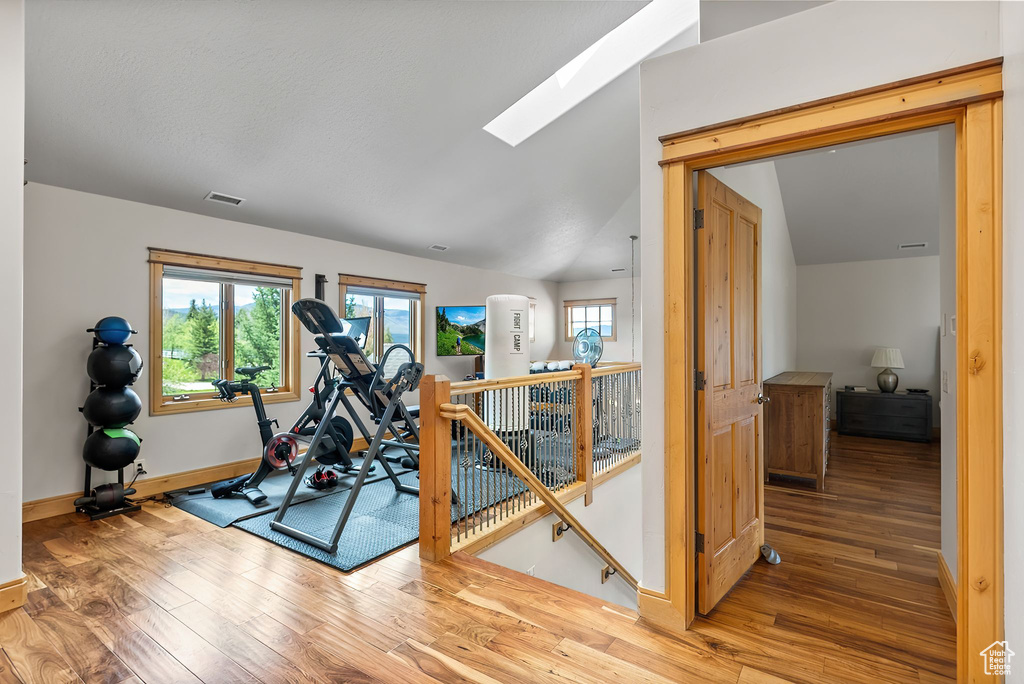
(280, 451)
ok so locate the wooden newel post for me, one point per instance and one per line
(585, 430)
(435, 469)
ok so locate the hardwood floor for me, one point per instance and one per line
(162, 596)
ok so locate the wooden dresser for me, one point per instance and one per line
(796, 424)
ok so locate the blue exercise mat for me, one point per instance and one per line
(381, 521)
(223, 512)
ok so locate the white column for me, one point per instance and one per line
(12, 153)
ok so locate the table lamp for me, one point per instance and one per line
(887, 358)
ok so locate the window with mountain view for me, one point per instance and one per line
(214, 321)
(394, 309)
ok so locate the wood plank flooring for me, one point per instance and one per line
(161, 596)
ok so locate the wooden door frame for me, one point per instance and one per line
(970, 98)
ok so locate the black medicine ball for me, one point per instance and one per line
(114, 365)
(112, 407)
(111, 449)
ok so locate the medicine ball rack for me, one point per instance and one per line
(109, 499)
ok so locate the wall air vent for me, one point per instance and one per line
(224, 199)
(438, 248)
(913, 245)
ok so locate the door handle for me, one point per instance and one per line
(761, 399)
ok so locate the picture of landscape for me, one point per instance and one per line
(460, 330)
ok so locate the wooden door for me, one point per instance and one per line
(730, 483)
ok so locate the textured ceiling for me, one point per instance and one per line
(357, 121)
(860, 201)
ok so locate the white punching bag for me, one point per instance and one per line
(507, 344)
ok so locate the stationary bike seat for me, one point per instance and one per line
(251, 371)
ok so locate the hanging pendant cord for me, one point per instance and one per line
(632, 297)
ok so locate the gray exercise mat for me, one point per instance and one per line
(223, 512)
(381, 521)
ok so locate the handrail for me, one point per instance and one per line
(468, 417)
(615, 367)
(471, 386)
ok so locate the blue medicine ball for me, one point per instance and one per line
(112, 330)
(114, 365)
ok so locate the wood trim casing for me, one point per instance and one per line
(381, 283)
(13, 594)
(835, 99)
(968, 97)
(208, 401)
(151, 486)
(172, 257)
(568, 304)
(777, 134)
(947, 584)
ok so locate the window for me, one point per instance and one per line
(395, 310)
(211, 315)
(598, 314)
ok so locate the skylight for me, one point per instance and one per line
(613, 54)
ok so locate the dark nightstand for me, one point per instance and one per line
(898, 415)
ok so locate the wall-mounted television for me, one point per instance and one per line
(460, 330)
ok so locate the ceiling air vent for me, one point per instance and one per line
(913, 245)
(438, 248)
(224, 199)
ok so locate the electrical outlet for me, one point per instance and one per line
(530, 570)
(140, 467)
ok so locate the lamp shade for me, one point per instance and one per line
(887, 357)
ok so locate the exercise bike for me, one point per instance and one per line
(281, 450)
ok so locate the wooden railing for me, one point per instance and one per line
(497, 455)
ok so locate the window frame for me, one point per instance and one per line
(418, 318)
(569, 304)
(159, 404)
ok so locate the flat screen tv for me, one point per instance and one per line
(460, 330)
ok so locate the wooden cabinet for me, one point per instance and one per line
(894, 415)
(796, 425)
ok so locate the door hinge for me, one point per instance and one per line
(698, 380)
(699, 543)
(698, 219)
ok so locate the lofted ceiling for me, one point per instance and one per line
(860, 201)
(351, 120)
(722, 17)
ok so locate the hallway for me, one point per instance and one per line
(856, 596)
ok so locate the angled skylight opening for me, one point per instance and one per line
(609, 57)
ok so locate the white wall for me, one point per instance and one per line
(85, 258)
(845, 311)
(622, 349)
(570, 562)
(947, 342)
(760, 184)
(1012, 34)
(803, 57)
(12, 154)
